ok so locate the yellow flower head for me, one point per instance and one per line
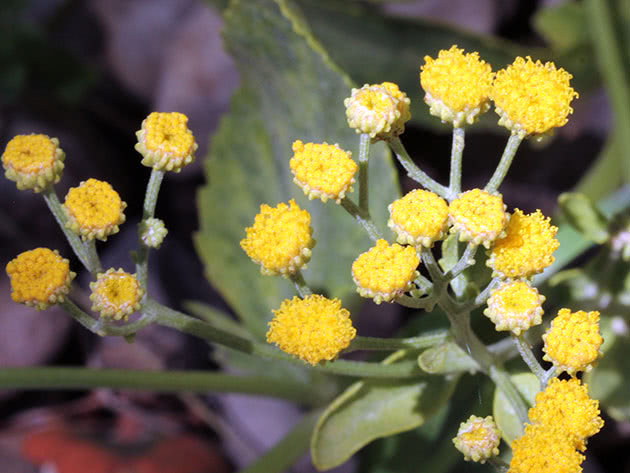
(515, 306)
(94, 210)
(544, 449)
(385, 272)
(478, 439)
(33, 161)
(322, 171)
(381, 110)
(313, 329)
(478, 217)
(39, 278)
(419, 218)
(457, 86)
(532, 98)
(573, 340)
(152, 232)
(567, 406)
(115, 294)
(280, 240)
(526, 249)
(165, 142)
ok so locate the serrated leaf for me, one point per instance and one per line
(290, 90)
(504, 415)
(585, 217)
(372, 409)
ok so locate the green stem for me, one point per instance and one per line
(186, 324)
(464, 262)
(504, 165)
(92, 255)
(148, 210)
(457, 150)
(414, 172)
(480, 299)
(528, 357)
(364, 153)
(101, 328)
(390, 344)
(300, 285)
(54, 377)
(549, 374)
(364, 220)
(503, 382)
(414, 303)
(51, 199)
(499, 465)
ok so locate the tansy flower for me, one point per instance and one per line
(33, 161)
(378, 110)
(567, 405)
(152, 232)
(115, 294)
(94, 210)
(280, 239)
(322, 171)
(39, 278)
(457, 86)
(478, 217)
(526, 249)
(573, 340)
(165, 142)
(544, 449)
(313, 329)
(478, 439)
(419, 218)
(385, 272)
(515, 306)
(532, 98)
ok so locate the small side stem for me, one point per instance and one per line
(148, 210)
(93, 259)
(457, 150)
(364, 220)
(549, 374)
(528, 357)
(414, 172)
(499, 465)
(364, 153)
(101, 328)
(300, 284)
(504, 165)
(464, 262)
(415, 303)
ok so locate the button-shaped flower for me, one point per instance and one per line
(380, 110)
(572, 342)
(457, 86)
(532, 98)
(515, 306)
(152, 232)
(478, 439)
(165, 142)
(280, 240)
(115, 294)
(33, 161)
(313, 329)
(527, 247)
(385, 272)
(419, 218)
(322, 171)
(39, 278)
(478, 217)
(94, 210)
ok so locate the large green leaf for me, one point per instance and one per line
(503, 411)
(372, 409)
(290, 90)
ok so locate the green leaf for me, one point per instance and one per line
(290, 90)
(372, 409)
(563, 26)
(503, 412)
(445, 359)
(585, 217)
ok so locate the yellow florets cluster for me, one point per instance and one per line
(478, 439)
(572, 342)
(385, 272)
(380, 110)
(526, 249)
(280, 239)
(165, 141)
(94, 210)
(457, 86)
(115, 294)
(532, 98)
(515, 306)
(313, 329)
(322, 171)
(33, 161)
(419, 218)
(478, 217)
(39, 278)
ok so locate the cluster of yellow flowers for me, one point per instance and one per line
(93, 210)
